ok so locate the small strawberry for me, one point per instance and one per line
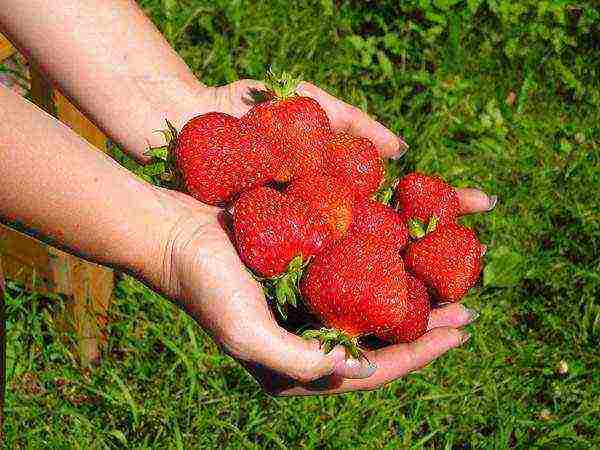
(296, 123)
(217, 158)
(417, 319)
(376, 218)
(359, 287)
(271, 230)
(421, 196)
(327, 196)
(447, 260)
(356, 161)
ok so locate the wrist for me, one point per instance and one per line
(177, 220)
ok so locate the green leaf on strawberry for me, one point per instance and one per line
(330, 338)
(284, 289)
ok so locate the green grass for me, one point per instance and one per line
(438, 72)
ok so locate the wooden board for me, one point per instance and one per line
(6, 48)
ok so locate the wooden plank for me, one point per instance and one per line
(26, 260)
(6, 48)
(70, 115)
(43, 268)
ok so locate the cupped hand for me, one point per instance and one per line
(203, 273)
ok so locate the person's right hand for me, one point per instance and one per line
(202, 272)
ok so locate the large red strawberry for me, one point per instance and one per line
(447, 260)
(297, 123)
(327, 196)
(359, 287)
(271, 230)
(217, 158)
(415, 323)
(420, 196)
(370, 216)
(356, 161)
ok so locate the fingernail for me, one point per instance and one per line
(492, 202)
(356, 368)
(402, 149)
(442, 304)
(483, 250)
(464, 336)
(473, 315)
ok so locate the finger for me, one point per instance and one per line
(304, 360)
(473, 200)
(393, 362)
(345, 117)
(454, 315)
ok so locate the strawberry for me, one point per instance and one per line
(271, 230)
(417, 319)
(359, 287)
(447, 260)
(297, 123)
(356, 161)
(376, 218)
(421, 196)
(217, 158)
(327, 196)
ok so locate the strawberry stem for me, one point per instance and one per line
(433, 222)
(283, 84)
(163, 164)
(415, 228)
(330, 338)
(284, 289)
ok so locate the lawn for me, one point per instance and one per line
(500, 95)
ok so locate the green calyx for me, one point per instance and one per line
(163, 169)
(330, 338)
(385, 193)
(283, 85)
(284, 289)
(417, 230)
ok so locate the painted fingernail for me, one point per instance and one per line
(402, 149)
(492, 202)
(473, 315)
(464, 336)
(442, 304)
(356, 368)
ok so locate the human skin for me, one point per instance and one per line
(108, 58)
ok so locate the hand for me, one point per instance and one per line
(202, 271)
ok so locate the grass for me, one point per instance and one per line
(499, 95)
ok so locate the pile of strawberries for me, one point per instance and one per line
(305, 221)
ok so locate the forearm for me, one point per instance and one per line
(111, 61)
(57, 184)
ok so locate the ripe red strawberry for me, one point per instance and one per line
(420, 196)
(417, 319)
(359, 287)
(271, 230)
(217, 158)
(327, 196)
(299, 124)
(376, 218)
(447, 260)
(356, 161)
